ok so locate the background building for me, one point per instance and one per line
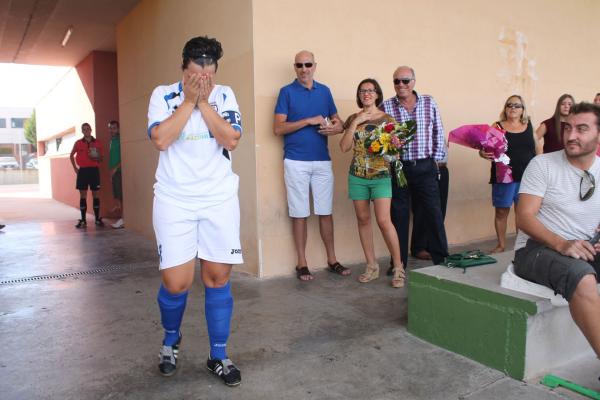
(12, 137)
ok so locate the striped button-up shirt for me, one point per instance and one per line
(429, 138)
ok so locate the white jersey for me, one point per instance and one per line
(551, 177)
(194, 171)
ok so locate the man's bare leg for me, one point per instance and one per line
(585, 309)
(300, 234)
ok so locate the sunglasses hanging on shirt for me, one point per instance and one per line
(587, 185)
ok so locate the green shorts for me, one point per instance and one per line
(369, 189)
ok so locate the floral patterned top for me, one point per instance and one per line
(364, 164)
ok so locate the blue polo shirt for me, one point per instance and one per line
(298, 102)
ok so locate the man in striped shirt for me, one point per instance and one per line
(419, 163)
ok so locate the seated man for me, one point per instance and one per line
(558, 212)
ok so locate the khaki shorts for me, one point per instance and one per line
(303, 177)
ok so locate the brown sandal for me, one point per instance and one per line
(339, 269)
(301, 272)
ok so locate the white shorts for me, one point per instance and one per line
(301, 177)
(211, 233)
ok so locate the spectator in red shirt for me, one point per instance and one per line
(85, 158)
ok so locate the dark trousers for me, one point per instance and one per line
(422, 188)
(421, 232)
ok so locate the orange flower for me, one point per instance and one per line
(375, 147)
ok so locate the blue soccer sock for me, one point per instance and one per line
(218, 307)
(171, 307)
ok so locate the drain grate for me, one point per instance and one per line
(49, 277)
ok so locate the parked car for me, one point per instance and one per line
(9, 163)
(32, 164)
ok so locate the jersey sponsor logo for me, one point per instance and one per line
(236, 251)
(195, 136)
(234, 118)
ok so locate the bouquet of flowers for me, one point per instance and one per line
(491, 140)
(389, 140)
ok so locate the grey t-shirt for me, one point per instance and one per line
(553, 178)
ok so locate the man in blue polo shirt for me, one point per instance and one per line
(305, 115)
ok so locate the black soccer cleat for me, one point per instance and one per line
(168, 358)
(225, 370)
(81, 224)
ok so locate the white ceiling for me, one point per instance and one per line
(31, 31)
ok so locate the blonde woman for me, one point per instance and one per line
(369, 180)
(521, 149)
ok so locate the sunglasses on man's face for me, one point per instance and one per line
(514, 105)
(586, 186)
(306, 65)
(405, 81)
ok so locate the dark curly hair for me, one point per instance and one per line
(202, 50)
(585, 107)
(378, 90)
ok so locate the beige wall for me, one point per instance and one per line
(469, 54)
(65, 107)
(149, 44)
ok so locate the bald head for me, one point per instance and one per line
(304, 55)
(304, 65)
(404, 71)
(404, 82)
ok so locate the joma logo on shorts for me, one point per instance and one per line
(236, 251)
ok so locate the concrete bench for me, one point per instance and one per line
(469, 313)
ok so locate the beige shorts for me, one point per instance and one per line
(303, 177)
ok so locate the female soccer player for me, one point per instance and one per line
(195, 124)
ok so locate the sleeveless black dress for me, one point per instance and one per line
(521, 149)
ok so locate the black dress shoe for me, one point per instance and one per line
(390, 271)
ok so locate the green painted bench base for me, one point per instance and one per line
(486, 326)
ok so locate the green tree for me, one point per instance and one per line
(30, 130)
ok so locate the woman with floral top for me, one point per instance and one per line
(369, 180)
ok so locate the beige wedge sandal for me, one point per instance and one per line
(372, 272)
(399, 277)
